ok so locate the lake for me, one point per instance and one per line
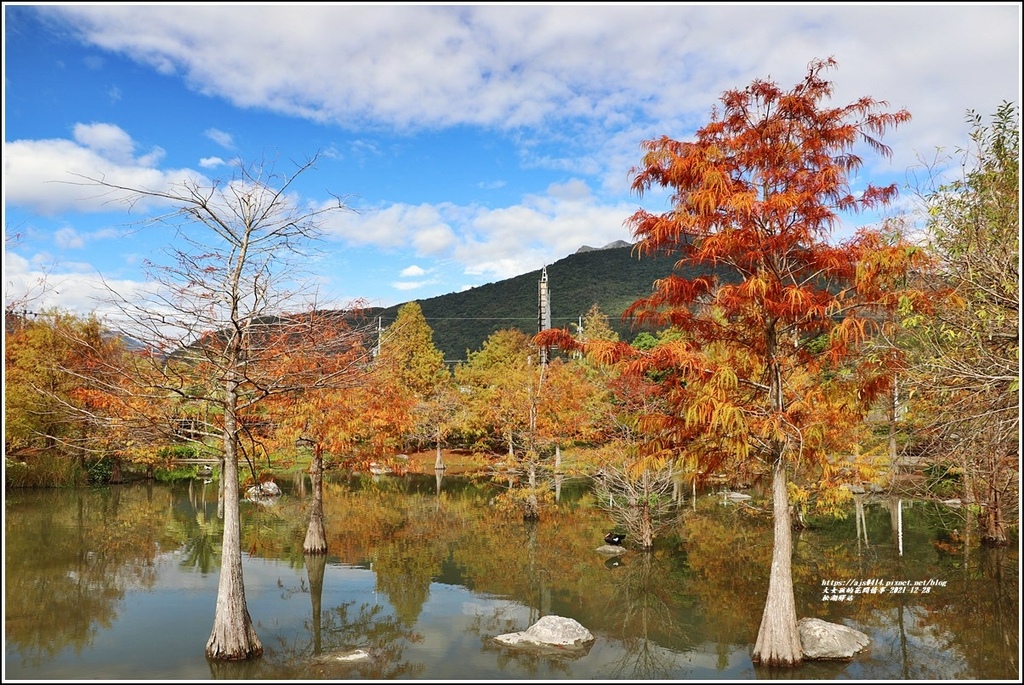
(120, 583)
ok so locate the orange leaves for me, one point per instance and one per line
(313, 368)
(557, 337)
(755, 196)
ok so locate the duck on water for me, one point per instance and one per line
(614, 538)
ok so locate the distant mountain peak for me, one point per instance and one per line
(609, 246)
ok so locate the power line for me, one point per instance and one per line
(479, 318)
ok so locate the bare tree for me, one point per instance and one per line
(641, 502)
(214, 324)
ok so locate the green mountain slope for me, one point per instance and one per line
(613, 278)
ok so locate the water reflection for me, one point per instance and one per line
(421, 573)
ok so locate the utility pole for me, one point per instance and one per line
(380, 334)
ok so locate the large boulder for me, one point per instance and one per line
(611, 550)
(264, 492)
(823, 640)
(550, 631)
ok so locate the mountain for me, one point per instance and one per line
(612, 277)
(609, 246)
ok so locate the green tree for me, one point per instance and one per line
(497, 380)
(966, 364)
(35, 388)
(407, 352)
(408, 360)
(503, 383)
(594, 326)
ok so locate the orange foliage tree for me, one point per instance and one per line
(325, 356)
(775, 325)
(773, 314)
(66, 391)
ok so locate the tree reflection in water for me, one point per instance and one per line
(649, 608)
(69, 564)
(335, 634)
(447, 568)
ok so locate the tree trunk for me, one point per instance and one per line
(646, 519)
(316, 539)
(894, 414)
(438, 459)
(993, 532)
(531, 512)
(220, 489)
(778, 639)
(315, 567)
(116, 472)
(233, 637)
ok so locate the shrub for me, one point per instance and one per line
(42, 469)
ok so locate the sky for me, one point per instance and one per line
(472, 142)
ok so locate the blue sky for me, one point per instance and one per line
(476, 142)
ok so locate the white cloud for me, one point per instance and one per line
(75, 287)
(576, 90)
(68, 238)
(649, 69)
(494, 243)
(107, 141)
(411, 272)
(409, 285)
(220, 137)
(55, 175)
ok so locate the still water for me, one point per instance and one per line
(120, 583)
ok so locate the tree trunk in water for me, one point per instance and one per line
(532, 509)
(438, 460)
(116, 473)
(315, 567)
(778, 639)
(993, 533)
(233, 637)
(316, 539)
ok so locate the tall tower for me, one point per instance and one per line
(543, 302)
(543, 309)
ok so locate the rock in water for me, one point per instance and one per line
(550, 630)
(824, 640)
